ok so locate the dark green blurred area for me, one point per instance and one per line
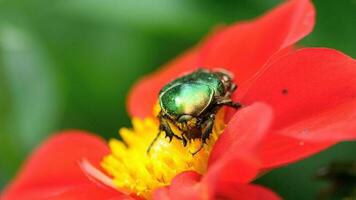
(70, 64)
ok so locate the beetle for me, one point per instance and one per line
(191, 103)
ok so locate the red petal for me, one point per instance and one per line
(189, 185)
(161, 193)
(242, 48)
(312, 92)
(144, 94)
(243, 132)
(244, 192)
(245, 47)
(334, 124)
(186, 186)
(233, 156)
(53, 171)
(277, 150)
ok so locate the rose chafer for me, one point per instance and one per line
(191, 102)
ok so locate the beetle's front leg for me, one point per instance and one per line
(164, 126)
(167, 129)
(153, 141)
(206, 133)
(184, 140)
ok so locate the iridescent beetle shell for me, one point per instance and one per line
(190, 94)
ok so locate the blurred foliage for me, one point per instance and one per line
(70, 64)
(341, 179)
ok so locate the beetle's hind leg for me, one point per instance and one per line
(230, 103)
(206, 133)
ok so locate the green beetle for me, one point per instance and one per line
(191, 102)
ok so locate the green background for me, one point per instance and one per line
(70, 64)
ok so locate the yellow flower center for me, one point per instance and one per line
(133, 170)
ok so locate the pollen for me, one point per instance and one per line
(134, 171)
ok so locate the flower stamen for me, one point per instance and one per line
(133, 170)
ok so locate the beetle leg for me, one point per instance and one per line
(230, 103)
(153, 141)
(233, 87)
(169, 133)
(184, 140)
(206, 134)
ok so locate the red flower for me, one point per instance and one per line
(53, 171)
(308, 98)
